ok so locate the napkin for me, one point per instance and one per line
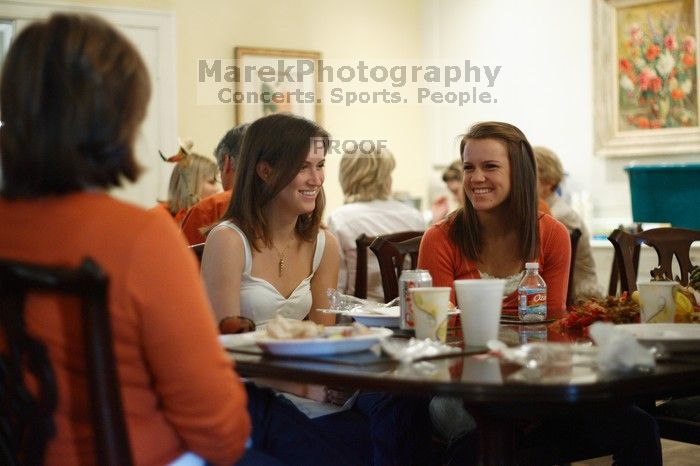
(619, 350)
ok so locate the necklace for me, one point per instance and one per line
(281, 256)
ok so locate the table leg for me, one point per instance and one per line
(497, 439)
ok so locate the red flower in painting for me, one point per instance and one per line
(653, 52)
(670, 42)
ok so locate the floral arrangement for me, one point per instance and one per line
(656, 75)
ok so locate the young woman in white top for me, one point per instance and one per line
(270, 255)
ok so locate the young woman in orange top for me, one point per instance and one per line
(499, 228)
(493, 235)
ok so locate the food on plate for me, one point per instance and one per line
(281, 328)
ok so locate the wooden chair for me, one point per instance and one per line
(198, 250)
(679, 418)
(575, 236)
(668, 242)
(26, 420)
(361, 244)
(614, 283)
(391, 251)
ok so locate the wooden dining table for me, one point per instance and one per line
(498, 393)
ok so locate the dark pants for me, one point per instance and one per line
(381, 430)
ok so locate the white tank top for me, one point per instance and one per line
(260, 301)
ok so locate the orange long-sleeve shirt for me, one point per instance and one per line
(203, 214)
(446, 264)
(178, 388)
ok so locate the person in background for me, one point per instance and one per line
(497, 230)
(550, 174)
(73, 95)
(209, 210)
(270, 257)
(365, 177)
(193, 178)
(452, 177)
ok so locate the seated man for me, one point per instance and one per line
(209, 210)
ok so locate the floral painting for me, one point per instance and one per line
(657, 66)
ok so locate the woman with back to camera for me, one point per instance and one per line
(493, 235)
(270, 257)
(74, 92)
(365, 176)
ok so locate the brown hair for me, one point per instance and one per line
(366, 175)
(73, 94)
(454, 171)
(465, 230)
(283, 141)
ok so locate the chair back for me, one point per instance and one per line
(26, 421)
(198, 250)
(667, 242)
(575, 236)
(362, 242)
(391, 251)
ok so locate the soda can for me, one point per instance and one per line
(418, 278)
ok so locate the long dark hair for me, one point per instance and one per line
(74, 91)
(283, 141)
(521, 205)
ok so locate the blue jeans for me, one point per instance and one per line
(380, 430)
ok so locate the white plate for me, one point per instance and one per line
(389, 317)
(674, 337)
(240, 339)
(325, 345)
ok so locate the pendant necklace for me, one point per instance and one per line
(281, 256)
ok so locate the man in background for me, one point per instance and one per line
(209, 210)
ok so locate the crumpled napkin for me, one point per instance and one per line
(408, 351)
(619, 350)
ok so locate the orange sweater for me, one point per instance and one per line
(178, 389)
(204, 213)
(446, 264)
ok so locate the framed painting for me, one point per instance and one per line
(276, 80)
(645, 77)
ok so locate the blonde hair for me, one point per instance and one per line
(187, 179)
(549, 168)
(366, 175)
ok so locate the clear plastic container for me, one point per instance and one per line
(532, 295)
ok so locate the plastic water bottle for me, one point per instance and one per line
(532, 294)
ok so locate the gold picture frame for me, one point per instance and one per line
(277, 80)
(645, 77)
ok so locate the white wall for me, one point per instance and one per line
(545, 86)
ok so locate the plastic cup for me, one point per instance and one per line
(656, 302)
(480, 302)
(430, 307)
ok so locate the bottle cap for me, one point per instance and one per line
(532, 265)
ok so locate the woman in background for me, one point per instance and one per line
(193, 178)
(365, 176)
(73, 95)
(550, 174)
